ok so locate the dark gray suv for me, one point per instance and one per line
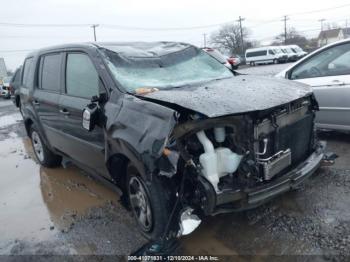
(180, 134)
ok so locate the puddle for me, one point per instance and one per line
(7, 120)
(37, 202)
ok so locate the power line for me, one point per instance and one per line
(320, 10)
(43, 25)
(123, 27)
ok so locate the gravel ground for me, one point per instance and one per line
(264, 70)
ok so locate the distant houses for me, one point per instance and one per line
(332, 35)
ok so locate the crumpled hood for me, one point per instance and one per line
(239, 94)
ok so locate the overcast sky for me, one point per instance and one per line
(151, 14)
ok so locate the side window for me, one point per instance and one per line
(81, 76)
(256, 53)
(330, 62)
(26, 80)
(49, 76)
(16, 77)
(271, 52)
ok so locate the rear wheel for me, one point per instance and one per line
(41, 151)
(149, 202)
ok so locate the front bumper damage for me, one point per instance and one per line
(250, 198)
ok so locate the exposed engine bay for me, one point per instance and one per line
(228, 156)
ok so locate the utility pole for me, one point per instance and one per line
(240, 19)
(321, 21)
(205, 40)
(94, 28)
(285, 18)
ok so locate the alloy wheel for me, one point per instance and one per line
(140, 203)
(37, 146)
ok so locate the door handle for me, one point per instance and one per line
(336, 81)
(36, 102)
(64, 112)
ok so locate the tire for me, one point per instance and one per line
(43, 154)
(151, 210)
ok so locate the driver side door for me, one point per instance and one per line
(81, 84)
(328, 73)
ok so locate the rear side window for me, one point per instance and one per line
(27, 80)
(256, 53)
(81, 76)
(50, 72)
(17, 77)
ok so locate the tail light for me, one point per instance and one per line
(231, 60)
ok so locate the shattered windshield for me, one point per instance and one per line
(176, 69)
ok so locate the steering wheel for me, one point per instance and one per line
(314, 71)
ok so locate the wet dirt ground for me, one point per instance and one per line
(64, 211)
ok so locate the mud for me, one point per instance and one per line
(55, 211)
(63, 211)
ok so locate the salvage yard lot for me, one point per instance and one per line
(63, 211)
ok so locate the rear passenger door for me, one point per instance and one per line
(47, 89)
(81, 84)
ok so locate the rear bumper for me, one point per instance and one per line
(250, 198)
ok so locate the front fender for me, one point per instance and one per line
(138, 129)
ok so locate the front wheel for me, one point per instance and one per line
(41, 151)
(149, 202)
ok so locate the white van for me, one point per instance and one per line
(292, 55)
(300, 52)
(265, 55)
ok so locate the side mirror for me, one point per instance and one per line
(90, 116)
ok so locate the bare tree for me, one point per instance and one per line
(228, 37)
(293, 38)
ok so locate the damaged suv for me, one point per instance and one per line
(179, 133)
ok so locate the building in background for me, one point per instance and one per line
(332, 35)
(3, 70)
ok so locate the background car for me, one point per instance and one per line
(327, 71)
(218, 56)
(292, 55)
(5, 89)
(14, 86)
(300, 52)
(235, 61)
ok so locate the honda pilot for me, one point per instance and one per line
(180, 134)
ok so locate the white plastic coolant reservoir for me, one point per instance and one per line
(217, 162)
(209, 164)
(227, 161)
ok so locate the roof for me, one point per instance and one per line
(129, 49)
(331, 33)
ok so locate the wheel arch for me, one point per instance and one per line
(17, 101)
